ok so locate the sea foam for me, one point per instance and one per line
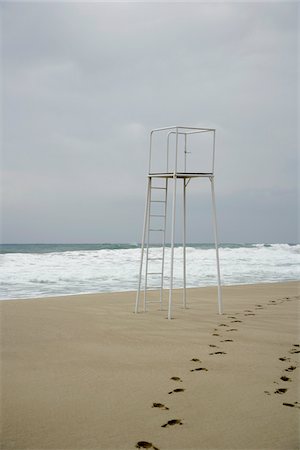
(115, 267)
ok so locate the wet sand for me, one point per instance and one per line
(85, 372)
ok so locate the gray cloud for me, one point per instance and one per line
(83, 84)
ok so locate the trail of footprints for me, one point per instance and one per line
(227, 328)
(287, 375)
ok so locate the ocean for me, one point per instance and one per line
(43, 270)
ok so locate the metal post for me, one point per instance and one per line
(142, 246)
(214, 151)
(150, 152)
(147, 250)
(173, 230)
(172, 247)
(185, 152)
(164, 245)
(216, 244)
(184, 243)
(168, 150)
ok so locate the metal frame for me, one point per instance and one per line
(186, 177)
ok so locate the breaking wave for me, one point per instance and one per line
(49, 270)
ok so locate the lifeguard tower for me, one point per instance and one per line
(177, 154)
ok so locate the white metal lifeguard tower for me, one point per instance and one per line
(176, 153)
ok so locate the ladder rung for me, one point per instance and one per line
(157, 201)
(156, 187)
(156, 229)
(157, 215)
(154, 259)
(154, 273)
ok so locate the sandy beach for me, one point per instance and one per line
(85, 372)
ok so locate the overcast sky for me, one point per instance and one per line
(84, 83)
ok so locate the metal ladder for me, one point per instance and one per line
(152, 225)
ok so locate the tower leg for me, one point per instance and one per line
(220, 305)
(164, 246)
(172, 247)
(143, 245)
(148, 238)
(184, 243)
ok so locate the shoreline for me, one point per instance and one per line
(84, 372)
(152, 290)
(35, 275)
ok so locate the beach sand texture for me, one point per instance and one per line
(85, 372)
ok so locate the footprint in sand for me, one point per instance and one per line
(290, 369)
(236, 321)
(284, 358)
(172, 422)
(216, 334)
(284, 378)
(294, 351)
(198, 369)
(232, 329)
(249, 314)
(145, 444)
(218, 353)
(292, 405)
(176, 379)
(195, 360)
(231, 317)
(159, 405)
(223, 325)
(280, 391)
(176, 390)
(227, 340)
(212, 345)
